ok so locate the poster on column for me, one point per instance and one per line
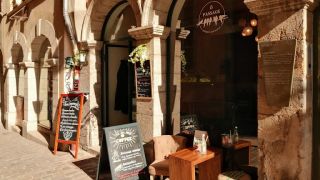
(278, 59)
(69, 120)
(125, 151)
(143, 80)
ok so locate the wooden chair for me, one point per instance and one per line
(163, 146)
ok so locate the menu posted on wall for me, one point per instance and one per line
(143, 80)
(278, 59)
(125, 151)
(69, 120)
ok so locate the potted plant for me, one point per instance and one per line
(139, 54)
(183, 61)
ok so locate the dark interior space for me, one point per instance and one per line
(219, 76)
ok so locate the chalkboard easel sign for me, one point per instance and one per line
(69, 120)
(125, 152)
(143, 80)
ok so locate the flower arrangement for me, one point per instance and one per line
(139, 54)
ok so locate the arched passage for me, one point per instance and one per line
(117, 72)
(104, 9)
(41, 53)
(46, 29)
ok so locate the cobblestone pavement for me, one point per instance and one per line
(21, 159)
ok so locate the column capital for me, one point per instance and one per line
(93, 44)
(262, 7)
(29, 64)
(148, 32)
(10, 65)
(182, 33)
(52, 62)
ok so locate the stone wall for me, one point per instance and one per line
(285, 133)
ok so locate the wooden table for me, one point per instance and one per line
(182, 164)
(236, 155)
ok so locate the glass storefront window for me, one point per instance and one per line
(219, 70)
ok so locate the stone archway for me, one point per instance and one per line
(41, 64)
(41, 50)
(101, 9)
(45, 28)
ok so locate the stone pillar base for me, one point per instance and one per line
(10, 120)
(28, 126)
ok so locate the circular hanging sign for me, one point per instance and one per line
(212, 17)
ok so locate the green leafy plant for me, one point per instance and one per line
(139, 54)
(183, 61)
(76, 58)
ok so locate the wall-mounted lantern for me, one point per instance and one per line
(83, 51)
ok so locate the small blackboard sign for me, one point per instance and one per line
(189, 123)
(69, 120)
(125, 151)
(143, 80)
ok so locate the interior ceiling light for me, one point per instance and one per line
(253, 22)
(247, 31)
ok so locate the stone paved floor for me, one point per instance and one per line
(21, 159)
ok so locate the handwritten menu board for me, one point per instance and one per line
(189, 123)
(69, 120)
(143, 80)
(125, 152)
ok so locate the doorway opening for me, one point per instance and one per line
(118, 77)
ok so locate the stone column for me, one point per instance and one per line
(12, 91)
(179, 35)
(151, 114)
(94, 60)
(30, 123)
(42, 97)
(90, 83)
(52, 64)
(285, 132)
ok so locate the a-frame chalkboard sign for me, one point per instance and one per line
(69, 120)
(143, 79)
(125, 153)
